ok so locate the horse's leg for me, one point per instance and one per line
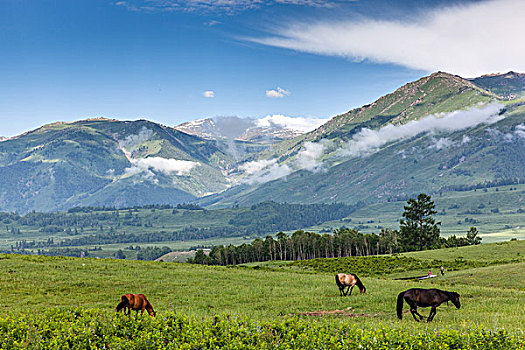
(432, 314)
(421, 317)
(352, 289)
(341, 290)
(413, 311)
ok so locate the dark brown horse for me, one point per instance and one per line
(348, 281)
(425, 297)
(135, 302)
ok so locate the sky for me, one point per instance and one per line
(172, 61)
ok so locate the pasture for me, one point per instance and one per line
(491, 297)
(497, 212)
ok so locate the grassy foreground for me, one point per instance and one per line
(250, 303)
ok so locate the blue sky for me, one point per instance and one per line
(155, 59)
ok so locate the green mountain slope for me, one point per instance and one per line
(425, 162)
(508, 85)
(402, 169)
(102, 162)
(437, 93)
(106, 162)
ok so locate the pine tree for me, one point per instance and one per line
(418, 228)
(472, 236)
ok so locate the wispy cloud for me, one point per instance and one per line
(520, 131)
(209, 94)
(167, 166)
(442, 143)
(369, 141)
(277, 93)
(309, 157)
(147, 166)
(303, 124)
(265, 170)
(469, 40)
(262, 171)
(227, 6)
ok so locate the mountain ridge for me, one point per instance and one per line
(108, 162)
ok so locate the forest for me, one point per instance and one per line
(418, 231)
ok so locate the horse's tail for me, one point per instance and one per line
(123, 303)
(400, 305)
(360, 284)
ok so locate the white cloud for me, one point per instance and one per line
(229, 6)
(466, 139)
(209, 94)
(264, 171)
(303, 124)
(166, 165)
(309, 156)
(441, 143)
(466, 39)
(277, 93)
(368, 141)
(133, 140)
(145, 166)
(256, 166)
(520, 131)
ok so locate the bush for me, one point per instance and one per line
(95, 329)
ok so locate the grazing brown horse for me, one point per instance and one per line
(425, 297)
(348, 281)
(135, 302)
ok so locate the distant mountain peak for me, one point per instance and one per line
(235, 128)
(508, 85)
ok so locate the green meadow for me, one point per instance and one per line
(492, 296)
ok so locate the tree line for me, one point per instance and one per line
(258, 220)
(418, 231)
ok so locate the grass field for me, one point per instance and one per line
(35, 283)
(256, 306)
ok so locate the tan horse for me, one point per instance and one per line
(135, 302)
(348, 281)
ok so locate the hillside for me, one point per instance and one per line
(437, 93)
(508, 85)
(392, 149)
(107, 162)
(438, 133)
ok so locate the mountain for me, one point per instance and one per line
(509, 85)
(239, 129)
(476, 157)
(437, 93)
(439, 133)
(107, 162)
(367, 155)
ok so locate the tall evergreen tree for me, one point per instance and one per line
(472, 236)
(418, 229)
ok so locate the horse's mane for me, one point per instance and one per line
(360, 284)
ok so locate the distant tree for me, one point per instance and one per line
(418, 229)
(200, 257)
(472, 236)
(120, 254)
